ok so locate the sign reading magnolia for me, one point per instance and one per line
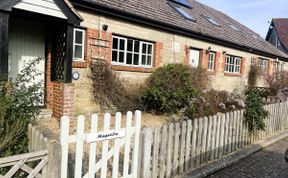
(107, 135)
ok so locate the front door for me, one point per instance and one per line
(26, 43)
(194, 57)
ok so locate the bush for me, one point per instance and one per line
(255, 113)
(211, 102)
(110, 91)
(200, 78)
(19, 106)
(169, 89)
(277, 82)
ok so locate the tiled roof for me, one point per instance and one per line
(160, 11)
(281, 27)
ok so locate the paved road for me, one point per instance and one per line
(268, 163)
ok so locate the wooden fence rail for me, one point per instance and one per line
(177, 147)
(20, 164)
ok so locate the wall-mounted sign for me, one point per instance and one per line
(107, 135)
(75, 75)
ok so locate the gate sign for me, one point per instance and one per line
(107, 135)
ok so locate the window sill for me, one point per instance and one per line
(233, 74)
(132, 69)
(79, 64)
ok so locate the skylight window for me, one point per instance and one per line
(233, 27)
(182, 12)
(211, 20)
(183, 3)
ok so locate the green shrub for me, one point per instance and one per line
(19, 103)
(169, 89)
(254, 113)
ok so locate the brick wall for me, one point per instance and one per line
(63, 94)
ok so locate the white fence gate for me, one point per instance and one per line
(110, 140)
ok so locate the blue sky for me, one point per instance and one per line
(254, 14)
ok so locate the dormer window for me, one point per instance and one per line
(211, 20)
(181, 11)
(233, 27)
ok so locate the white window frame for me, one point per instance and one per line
(232, 63)
(77, 44)
(263, 65)
(211, 61)
(140, 53)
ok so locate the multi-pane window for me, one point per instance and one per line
(278, 66)
(78, 44)
(232, 64)
(263, 65)
(131, 52)
(211, 61)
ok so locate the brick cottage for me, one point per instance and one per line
(133, 37)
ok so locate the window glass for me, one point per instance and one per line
(78, 44)
(78, 52)
(232, 64)
(211, 61)
(79, 37)
(263, 65)
(127, 51)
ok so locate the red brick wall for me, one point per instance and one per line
(63, 94)
(217, 61)
(204, 58)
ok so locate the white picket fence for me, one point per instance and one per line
(177, 147)
(99, 164)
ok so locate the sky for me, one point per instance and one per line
(255, 14)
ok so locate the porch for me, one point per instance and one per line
(30, 29)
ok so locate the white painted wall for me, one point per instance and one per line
(26, 42)
(47, 7)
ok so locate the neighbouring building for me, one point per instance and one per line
(133, 36)
(278, 34)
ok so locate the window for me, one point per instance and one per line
(182, 12)
(131, 52)
(232, 64)
(183, 3)
(78, 44)
(278, 66)
(233, 27)
(211, 61)
(263, 65)
(211, 20)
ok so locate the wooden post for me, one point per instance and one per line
(4, 31)
(147, 139)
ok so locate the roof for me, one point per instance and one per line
(159, 11)
(281, 27)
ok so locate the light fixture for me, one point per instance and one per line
(208, 50)
(104, 27)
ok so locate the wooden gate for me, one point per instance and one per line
(25, 165)
(110, 140)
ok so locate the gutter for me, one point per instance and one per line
(167, 27)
